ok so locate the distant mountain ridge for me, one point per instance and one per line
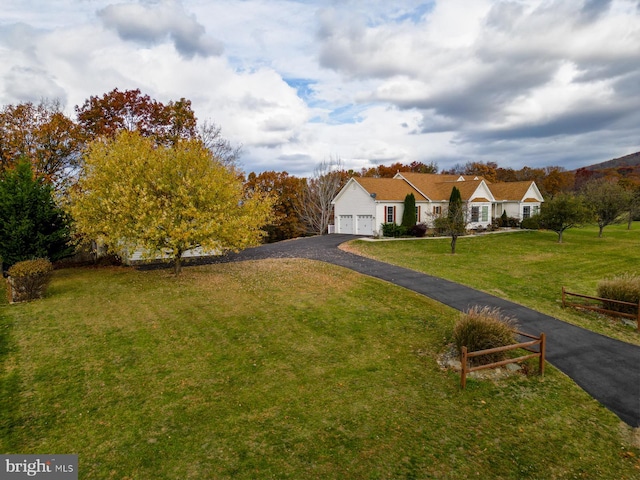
(631, 160)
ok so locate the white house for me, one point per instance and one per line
(365, 203)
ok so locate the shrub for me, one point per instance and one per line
(419, 230)
(393, 230)
(531, 223)
(504, 220)
(409, 218)
(624, 288)
(28, 279)
(512, 222)
(496, 223)
(484, 328)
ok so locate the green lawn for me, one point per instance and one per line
(528, 267)
(277, 369)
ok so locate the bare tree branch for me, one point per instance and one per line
(210, 135)
(315, 208)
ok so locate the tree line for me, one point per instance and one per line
(619, 188)
(133, 172)
(129, 172)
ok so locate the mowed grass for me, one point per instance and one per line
(277, 369)
(528, 267)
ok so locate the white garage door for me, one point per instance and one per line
(346, 223)
(364, 225)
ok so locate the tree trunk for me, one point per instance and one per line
(560, 236)
(177, 264)
(454, 238)
(600, 231)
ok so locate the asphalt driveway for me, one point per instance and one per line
(608, 369)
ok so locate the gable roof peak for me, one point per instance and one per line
(387, 189)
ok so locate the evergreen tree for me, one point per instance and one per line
(31, 224)
(504, 219)
(454, 222)
(455, 203)
(409, 219)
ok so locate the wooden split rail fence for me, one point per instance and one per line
(540, 353)
(601, 303)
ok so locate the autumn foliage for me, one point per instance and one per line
(135, 195)
(287, 192)
(132, 111)
(50, 141)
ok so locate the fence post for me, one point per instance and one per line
(463, 374)
(543, 346)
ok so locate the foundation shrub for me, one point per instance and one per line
(419, 230)
(484, 328)
(393, 230)
(531, 223)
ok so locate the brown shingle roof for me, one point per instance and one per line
(510, 190)
(438, 187)
(388, 189)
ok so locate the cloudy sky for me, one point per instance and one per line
(519, 82)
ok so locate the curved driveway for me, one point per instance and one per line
(608, 369)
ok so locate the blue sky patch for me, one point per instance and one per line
(304, 87)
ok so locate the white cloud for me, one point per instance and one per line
(155, 23)
(296, 82)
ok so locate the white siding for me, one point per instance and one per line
(484, 209)
(512, 209)
(484, 215)
(139, 255)
(381, 216)
(354, 201)
(482, 191)
(424, 210)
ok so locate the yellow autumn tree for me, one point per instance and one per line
(134, 194)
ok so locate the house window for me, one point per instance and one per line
(475, 214)
(526, 212)
(391, 214)
(437, 210)
(485, 213)
(535, 210)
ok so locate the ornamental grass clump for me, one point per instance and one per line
(28, 279)
(484, 328)
(624, 288)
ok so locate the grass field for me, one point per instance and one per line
(278, 369)
(528, 267)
